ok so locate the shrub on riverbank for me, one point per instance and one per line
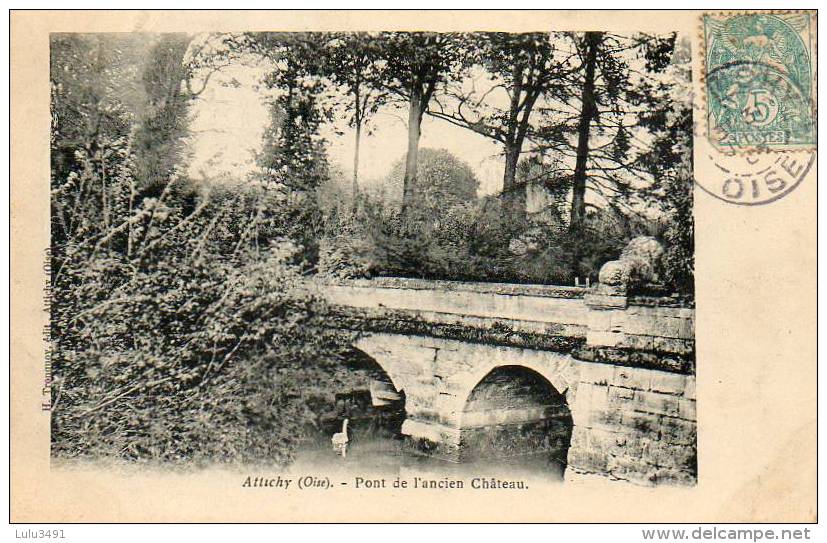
(181, 326)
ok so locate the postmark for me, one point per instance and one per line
(757, 178)
(759, 81)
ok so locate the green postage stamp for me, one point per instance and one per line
(759, 80)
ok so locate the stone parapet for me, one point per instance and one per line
(503, 289)
(615, 323)
(545, 308)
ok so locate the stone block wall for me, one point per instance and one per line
(615, 321)
(635, 410)
(634, 424)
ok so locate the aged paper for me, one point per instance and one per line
(593, 394)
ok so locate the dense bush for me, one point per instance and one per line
(181, 324)
(470, 241)
(182, 336)
(451, 234)
(442, 181)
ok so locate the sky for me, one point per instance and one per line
(230, 117)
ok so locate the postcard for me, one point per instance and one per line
(413, 266)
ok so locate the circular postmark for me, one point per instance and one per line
(756, 106)
(756, 179)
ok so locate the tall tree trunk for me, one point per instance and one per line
(356, 163)
(357, 120)
(523, 97)
(411, 159)
(512, 150)
(587, 111)
(512, 157)
(515, 195)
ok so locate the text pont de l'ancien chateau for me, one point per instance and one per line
(361, 483)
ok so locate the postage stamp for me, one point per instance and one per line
(759, 81)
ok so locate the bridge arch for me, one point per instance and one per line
(559, 370)
(516, 412)
(382, 359)
(367, 397)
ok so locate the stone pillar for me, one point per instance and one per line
(606, 319)
(635, 415)
(432, 438)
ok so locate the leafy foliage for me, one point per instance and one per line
(182, 327)
(443, 181)
(670, 160)
(475, 240)
(522, 69)
(613, 83)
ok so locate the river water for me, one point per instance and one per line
(377, 449)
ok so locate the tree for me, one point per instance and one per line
(443, 181)
(523, 68)
(87, 75)
(293, 161)
(96, 84)
(416, 63)
(162, 124)
(354, 62)
(588, 110)
(194, 340)
(670, 160)
(110, 90)
(597, 125)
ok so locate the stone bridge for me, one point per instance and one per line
(604, 379)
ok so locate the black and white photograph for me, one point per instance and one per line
(419, 253)
(414, 266)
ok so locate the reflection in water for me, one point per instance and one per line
(377, 448)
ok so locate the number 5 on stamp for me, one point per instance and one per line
(759, 80)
